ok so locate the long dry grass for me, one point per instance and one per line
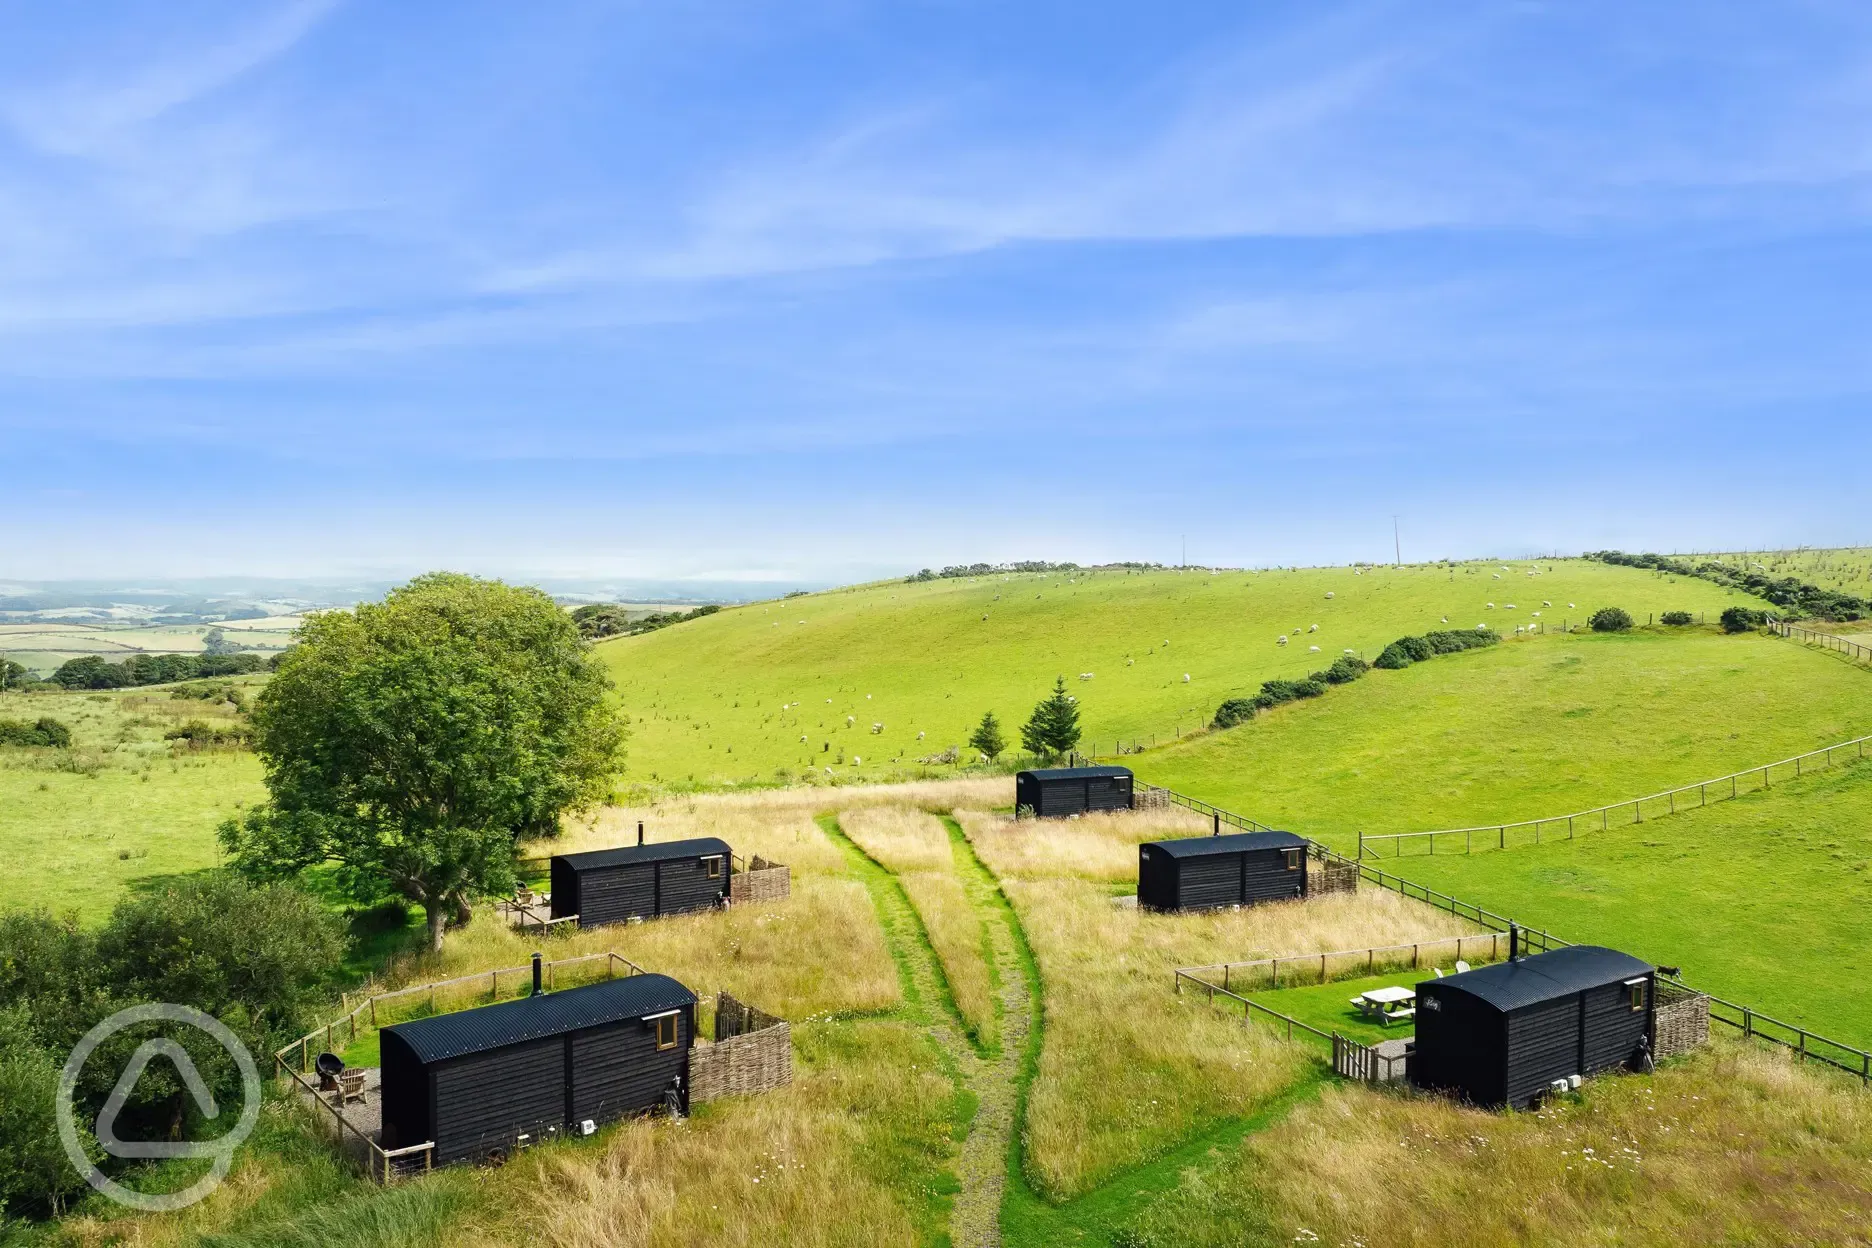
(960, 940)
(843, 1157)
(818, 951)
(1094, 847)
(1736, 1145)
(903, 838)
(1129, 1068)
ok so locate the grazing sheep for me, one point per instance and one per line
(856, 760)
(1520, 628)
(876, 729)
(919, 736)
(1186, 678)
(1510, 606)
(1491, 606)
(1350, 650)
(802, 740)
(850, 720)
(1329, 594)
(1313, 629)
(1496, 575)
(1085, 675)
(1545, 603)
(1481, 628)
(1569, 604)
(1281, 640)
(1537, 615)
(1313, 649)
(1446, 619)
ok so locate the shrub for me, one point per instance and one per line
(1677, 618)
(35, 1177)
(198, 734)
(1344, 670)
(1610, 620)
(1234, 711)
(1393, 657)
(1742, 619)
(45, 731)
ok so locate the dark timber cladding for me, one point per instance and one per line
(641, 881)
(1073, 790)
(1204, 872)
(479, 1080)
(1500, 1035)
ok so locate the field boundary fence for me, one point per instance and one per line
(1852, 649)
(1807, 1045)
(1367, 961)
(1497, 836)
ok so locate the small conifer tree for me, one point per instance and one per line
(1053, 728)
(988, 738)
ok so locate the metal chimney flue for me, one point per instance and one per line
(1514, 942)
(536, 975)
(640, 831)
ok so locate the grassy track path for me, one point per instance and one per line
(991, 1081)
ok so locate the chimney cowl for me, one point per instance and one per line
(536, 975)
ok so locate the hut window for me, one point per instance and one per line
(1640, 993)
(1293, 859)
(713, 866)
(665, 1031)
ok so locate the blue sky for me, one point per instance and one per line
(815, 291)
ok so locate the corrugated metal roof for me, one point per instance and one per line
(1076, 773)
(661, 851)
(1544, 976)
(1235, 843)
(534, 1018)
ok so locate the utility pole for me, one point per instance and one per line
(1185, 562)
(1397, 544)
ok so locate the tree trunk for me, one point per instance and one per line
(462, 912)
(437, 917)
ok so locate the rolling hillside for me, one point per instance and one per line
(770, 686)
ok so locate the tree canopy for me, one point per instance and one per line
(415, 741)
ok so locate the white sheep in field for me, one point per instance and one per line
(1510, 606)
(1481, 628)
(1496, 575)
(1520, 628)
(1281, 640)
(1491, 606)
(1537, 615)
(1350, 650)
(1130, 662)
(1446, 619)
(1329, 594)
(1545, 603)
(919, 736)
(1569, 604)
(802, 740)
(876, 729)
(1296, 632)
(1313, 629)
(1313, 649)
(856, 760)
(1085, 675)
(1186, 678)
(850, 720)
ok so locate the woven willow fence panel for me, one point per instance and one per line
(753, 1052)
(1683, 1021)
(762, 881)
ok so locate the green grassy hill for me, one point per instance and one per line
(1534, 727)
(1847, 568)
(730, 697)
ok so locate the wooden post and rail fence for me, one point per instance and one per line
(1852, 649)
(294, 1061)
(1752, 1023)
(1700, 793)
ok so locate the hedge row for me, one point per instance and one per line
(1408, 650)
(1799, 597)
(1344, 670)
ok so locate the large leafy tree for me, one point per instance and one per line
(1053, 728)
(414, 742)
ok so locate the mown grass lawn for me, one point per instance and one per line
(1765, 900)
(731, 696)
(1328, 1006)
(1534, 727)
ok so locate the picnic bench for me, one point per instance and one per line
(1387, 1005)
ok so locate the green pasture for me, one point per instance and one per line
(79, 826)
(730, 697)
(1534, 727)
(1765, 900)
(42, 647)
(1846, 568)
(1328, 1006)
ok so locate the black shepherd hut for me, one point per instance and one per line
(1504, 1034)
(487, 1080)
(1073, 790)
(1204, 872)
(641, 881)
